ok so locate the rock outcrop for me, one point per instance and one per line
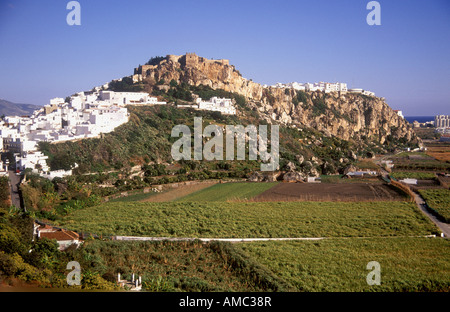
(344, 115)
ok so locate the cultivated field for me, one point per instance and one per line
(251, 219)
(179, 192)
(441, 153)
(177, 266)
(439, 201)
(241, 191)
(355, 231)
(413, 175)
(419, 161)
(350, 192)
(407, 264)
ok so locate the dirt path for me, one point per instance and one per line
(238, 240)
(178, 192)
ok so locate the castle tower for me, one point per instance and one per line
(191, 59)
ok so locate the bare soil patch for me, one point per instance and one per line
(330, 192)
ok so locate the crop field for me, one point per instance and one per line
(407, 264)
(229, 191)
(251, 219)
(434, 159)
(441, 153)
(439, 201)
(354, 192)
(366, 165)
(339, 178)
(413, 175)
(177, 266)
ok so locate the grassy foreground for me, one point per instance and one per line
(407, 264)
(335, 264)
(251, 219)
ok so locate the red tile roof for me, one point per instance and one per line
(60, 235)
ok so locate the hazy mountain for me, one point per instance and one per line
(8, 108)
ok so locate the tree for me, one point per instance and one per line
(173, 83)
(155, 60)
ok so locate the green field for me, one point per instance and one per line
(229, 191)
(175, 266)
(407, 264)
(133, 197)
(439, 201)
(413, 175)
(251, 219)
(329, 265)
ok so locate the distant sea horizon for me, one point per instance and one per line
(420, 119)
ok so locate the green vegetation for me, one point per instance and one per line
(319, 105)
(49, 199)
(229, 191)
(413, 175)
(145, 138)
(5, 201)
(23, 259)
(155, 60)
(366, 164)
(300, 97)
(438, 200)
(407, 264)
(179, 266)
(423, 164)
(133, 197)
(251, 219)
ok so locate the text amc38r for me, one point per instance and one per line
(234, 301)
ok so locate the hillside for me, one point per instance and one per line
(347, 116)
(319, 133)
(8, 108)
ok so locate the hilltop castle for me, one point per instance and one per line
(187, 60)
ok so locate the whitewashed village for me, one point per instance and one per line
(83, 115)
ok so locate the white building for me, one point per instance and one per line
(368, 93)
(293, 85)
(317, 86)
(129, 98)
(33, 160)
(217, 104)
(88, 114)
(361, 91)
(442, 121)
(326, 87)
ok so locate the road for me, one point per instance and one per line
(420, 202)
(14, 190)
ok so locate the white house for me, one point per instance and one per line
(222, 105)
(399, 112)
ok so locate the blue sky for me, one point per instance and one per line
(406, 59)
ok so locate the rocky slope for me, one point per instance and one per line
(346, 116)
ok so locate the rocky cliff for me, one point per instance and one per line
(344, 115)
